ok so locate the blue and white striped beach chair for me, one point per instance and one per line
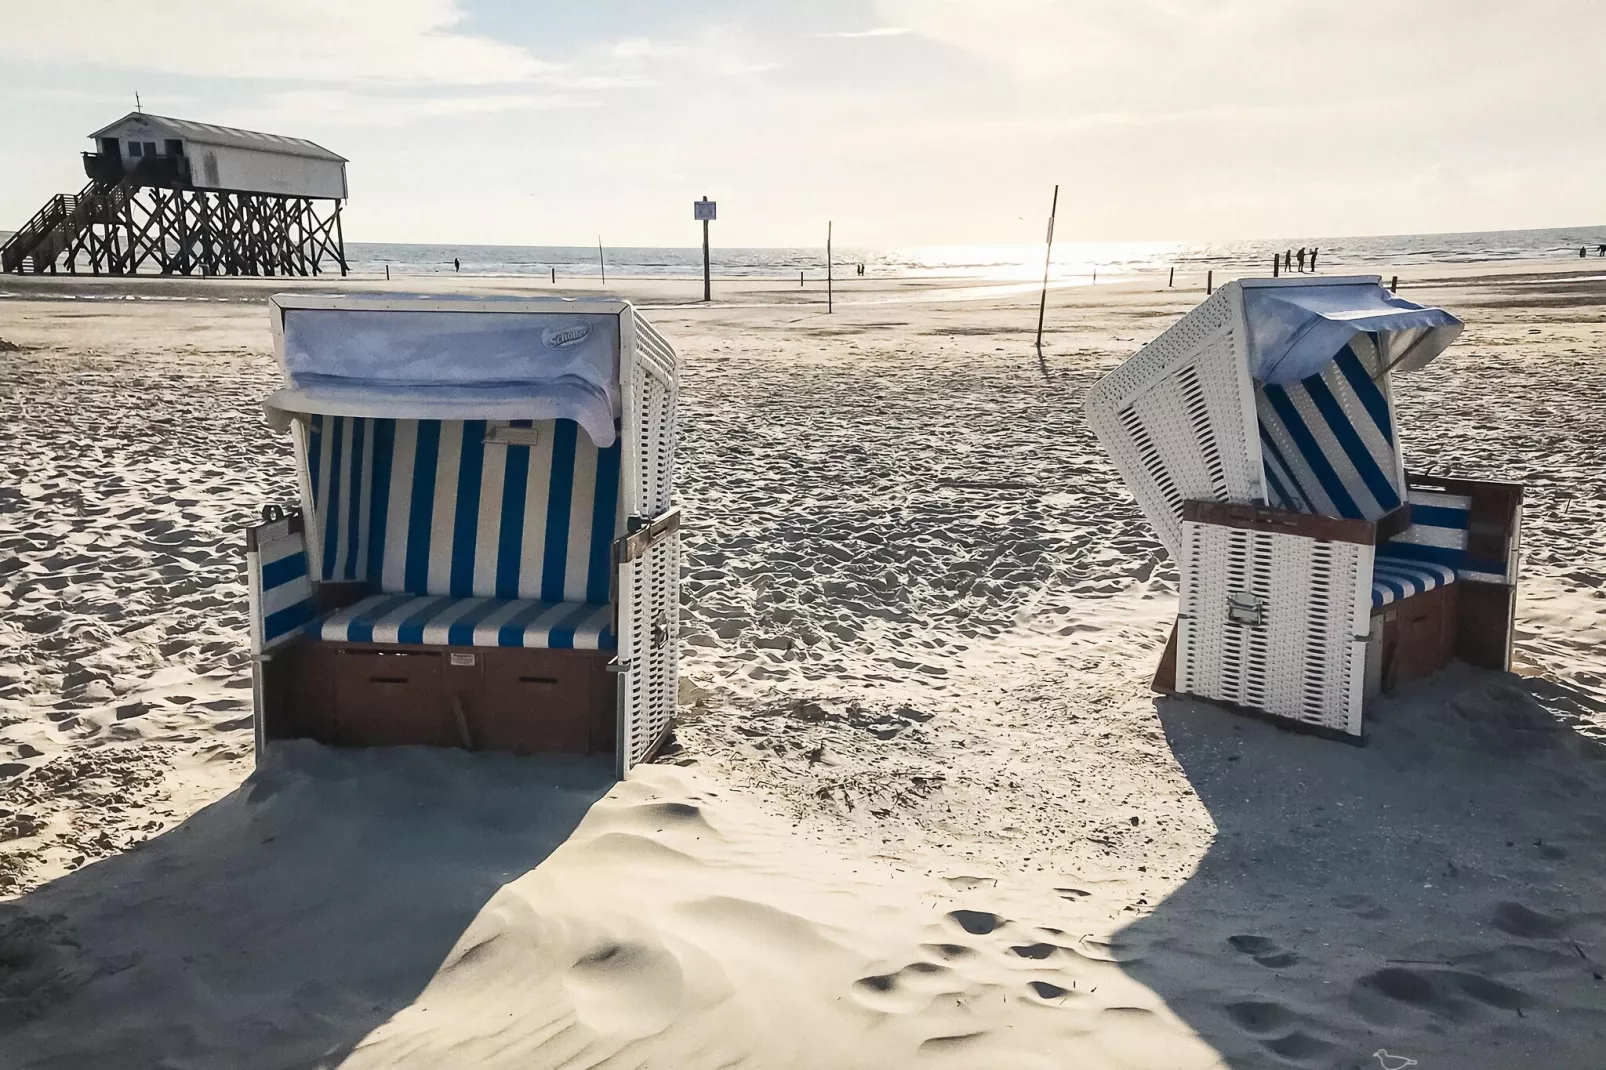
(1259, 436)
(486, 551)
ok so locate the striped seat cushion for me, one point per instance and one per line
(449, 621)
(431, 507)
(1398, 578)
(1328, 441)
(1438, 535)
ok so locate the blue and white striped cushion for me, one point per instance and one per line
(287, 601)
(450, 621)
(1397, 578)
(429, 507)
(1328, 442)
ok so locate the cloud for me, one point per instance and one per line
(334, 41)
(341, 108)
(879, 31)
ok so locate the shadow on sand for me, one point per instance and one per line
(261, 927)
(1434, 895)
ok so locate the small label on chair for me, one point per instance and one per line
(461, 660)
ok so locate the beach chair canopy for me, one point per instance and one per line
(1294, 332)
(453, 364)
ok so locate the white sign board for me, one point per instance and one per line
(703, 209)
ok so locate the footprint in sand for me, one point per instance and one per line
(1380, 997)
(1362, 906)
(1277, 1029)
(1518, 920)
(907, 991)
(976, 922)
(1264, 950)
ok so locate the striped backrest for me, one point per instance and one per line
(431, 507)
(1328, 442)
(1439, 535)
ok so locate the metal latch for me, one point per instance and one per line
(660, 631)
(1244, 607)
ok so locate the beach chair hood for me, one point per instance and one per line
(1294, 332)
(451, 364)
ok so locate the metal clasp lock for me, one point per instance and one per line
(1246, 608)
(660, 631)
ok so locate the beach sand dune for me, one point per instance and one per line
(922, 810)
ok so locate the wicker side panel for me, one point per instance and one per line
(1305, 658)
(1177, 419)
(649, 643)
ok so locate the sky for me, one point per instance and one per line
(905, 122)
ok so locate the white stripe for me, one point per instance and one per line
(538, 633)
(335, 625)
(365, 501)
(588, 636)
(348, 472)
(582, 502)
(485, 631)
(1429, 535)
(532, 554)
(285, 595)
(443, 516)
(393, 570)
(279, 549)
(435, 631)
(488, 531)
(388, 626)
(1439, 499)
(1328, 443)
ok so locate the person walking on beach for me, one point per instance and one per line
(457, 265)
(1313, 251)
(1302, 260)
(1602, 249)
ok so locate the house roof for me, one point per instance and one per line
(231, 137)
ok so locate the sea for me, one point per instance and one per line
(1001, 263)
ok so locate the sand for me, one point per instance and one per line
(922, 810)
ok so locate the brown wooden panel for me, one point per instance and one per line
(1282, 521)
(1483, 635)
(389, 698)
(1165, 674)
(542, 700)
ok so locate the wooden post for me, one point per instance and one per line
(554, 276)
(1210, 283)
(1171, 279)
(1394, 284)
(799, 280)
(340, 240)
(1048, 255)
(601, 263)
(829, 282)
(1275, 264)
(387, 272)
(707, 277)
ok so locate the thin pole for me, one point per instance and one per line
(1210, 283)
(829, 296)
(601, 263)
(554, 276)
(1048, 254)
(1171, 279)
(340, 240)
(800, 280)
(708, 293)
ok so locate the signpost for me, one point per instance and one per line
(704, 210)
(1042, 305)
(829, 284)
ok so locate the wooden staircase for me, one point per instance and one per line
(43, 238)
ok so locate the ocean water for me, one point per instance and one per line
(1002, 263)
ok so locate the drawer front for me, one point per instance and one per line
(388, 699)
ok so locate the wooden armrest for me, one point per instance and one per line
(1251, 517)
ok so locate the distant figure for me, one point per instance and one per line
(1603, 249)
(1301, 259)
(457, 265)
(1288, 260)
(1313, 251)
(1581, 252)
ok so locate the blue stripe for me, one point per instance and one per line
(603, 509)
(461, 633)
(1312, 452)
(361, 628)
(1279, 496)
(1308, 506)
(466, 521)
(1349, 440)
(415, 573)
(336, 431)
(562, 635)
(606, 640)
(1439, 555)
(1439, 516)
(1367, 391)
(359, 429)
(512, 632)
(411, 629)
(379, 505)
(555, 565)
(315, 456)
(282, 571)
(510, 542)
(287, 619)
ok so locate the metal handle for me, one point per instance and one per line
(1244, 607)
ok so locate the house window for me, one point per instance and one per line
(174, 147)
(150, 148)
(135, 149)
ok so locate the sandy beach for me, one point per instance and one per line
(922, 809)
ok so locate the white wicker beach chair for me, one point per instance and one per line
(1258, 435)
(486, 551)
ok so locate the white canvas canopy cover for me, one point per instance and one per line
(452, 365)
(1295, 331)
